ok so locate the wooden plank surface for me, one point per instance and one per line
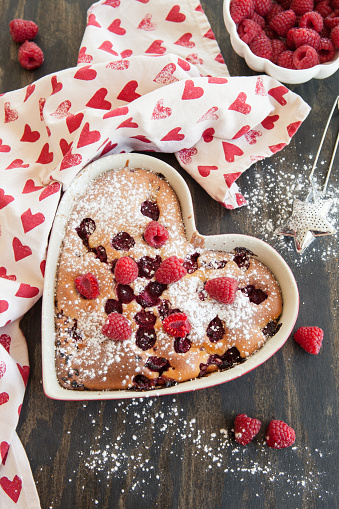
(179, 452)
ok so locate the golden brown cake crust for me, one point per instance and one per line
(85, 357)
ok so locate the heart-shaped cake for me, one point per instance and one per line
(138, 306)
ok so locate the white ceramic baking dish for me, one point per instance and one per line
(227, 242)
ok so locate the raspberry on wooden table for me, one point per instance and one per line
(310, 339)
(170, 270)
(245, 428)
(30, 55)
(177, 325)
(22, 30)
(222, 289)
(125, 270)
(279, 435)
(87, 285)
(156, 235)
(117, 327)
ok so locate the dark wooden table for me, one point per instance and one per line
(179, 452)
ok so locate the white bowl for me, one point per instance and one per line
(259, 64)
(227, 242)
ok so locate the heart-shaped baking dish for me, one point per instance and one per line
(226, 242)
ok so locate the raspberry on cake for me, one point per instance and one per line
(133, 315)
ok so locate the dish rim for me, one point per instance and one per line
(268, 255)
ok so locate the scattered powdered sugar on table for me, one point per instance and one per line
(273, 186)
(134, 454)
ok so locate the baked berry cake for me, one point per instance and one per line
(138, 306)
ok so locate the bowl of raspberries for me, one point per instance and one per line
(291, 40)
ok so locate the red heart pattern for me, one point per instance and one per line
(185, 41)
(73, 122)
(147, 24)
(3, 273)
(62, 110)
(204, 171)
(24, 370)
(5, 199)
(160, 111)
(27, 291)
(108, 46)
(29, 135)
(191, 92)
(175, 15)
(29, 91)
(207, 135)
(185, 154)
(30, 221)
(45, 156)
(10, 113)
(30, 187)
(165, 76)
(98, 100)
(5, 341)
(174, 135)
(11, 488)
(56, 85)
(20, 250)
(3, 147)
(230, 151)
(156, 47)
(115, 27)
(268, 122)
(88, 137)
(128, 93)
(240, 104)
(2, 364)
(4, 397)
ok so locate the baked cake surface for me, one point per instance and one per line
(112, 220)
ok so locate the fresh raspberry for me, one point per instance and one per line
(87, 285)
(302, 6)
(177, 325)
(22, 30)
(335, 37)
(222, 289)
(323, 8)
(278, 46)
(335, 4)
(325, 32)
(30, 55)
(312, 20)
(305, 57)
(261, 46)
(290, 38)
(306, 36)
(279, 435)
(241, 9)
(170, 270)
(285, 59)
(326, 50)
(271, 34)
(309, 338)
(248, 30)
(245, 428)
(283, 22)
(125, 270)
(275, 10)
(332, 20)
(117, 327)
(258, 19)
(262, 7)
(156, 235)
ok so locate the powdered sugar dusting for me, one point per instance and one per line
(273, 190)
(132, 456)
